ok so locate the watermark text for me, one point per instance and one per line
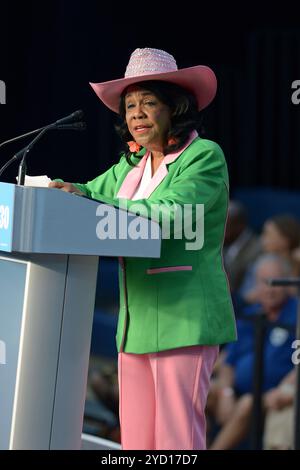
(296, 354)
(2, 92)
(179, 222)
(296, 94)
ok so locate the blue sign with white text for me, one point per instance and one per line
(7, 198)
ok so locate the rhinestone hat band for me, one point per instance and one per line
(150, 61)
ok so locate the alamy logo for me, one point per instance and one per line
(296, 354)
(2, 92)
(296, 94)
(2, 353)
(178, 222)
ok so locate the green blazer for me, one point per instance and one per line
(182, 298)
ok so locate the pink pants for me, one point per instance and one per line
(163, 397)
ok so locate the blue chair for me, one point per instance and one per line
(263, 202)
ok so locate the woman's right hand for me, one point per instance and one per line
(67, 187)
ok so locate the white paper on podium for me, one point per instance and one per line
(36, 181)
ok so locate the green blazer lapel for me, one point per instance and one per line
(133, 178)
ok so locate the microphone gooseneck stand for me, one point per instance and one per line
(22, 166)
(66, 123)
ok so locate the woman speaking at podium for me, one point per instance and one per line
(175, 310)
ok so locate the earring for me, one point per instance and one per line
(133, 146)
(172, 141)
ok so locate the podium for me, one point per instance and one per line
(49, 249)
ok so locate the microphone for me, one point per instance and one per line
(76, 116)
(72, 117)
(75, 126)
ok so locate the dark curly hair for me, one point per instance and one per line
(185, 116)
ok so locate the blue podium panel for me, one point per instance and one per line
(49, 248)
(7, 197)
(12, 287)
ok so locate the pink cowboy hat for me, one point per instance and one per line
(154, 64)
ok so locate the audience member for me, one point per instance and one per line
(241, 245)
(279, 424)
(280, 236)
(231, 397)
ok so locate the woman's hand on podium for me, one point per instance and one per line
(67, 187)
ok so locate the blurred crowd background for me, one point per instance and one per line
(49, 51)
(264, 314)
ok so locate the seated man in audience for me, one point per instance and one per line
(232, 398)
